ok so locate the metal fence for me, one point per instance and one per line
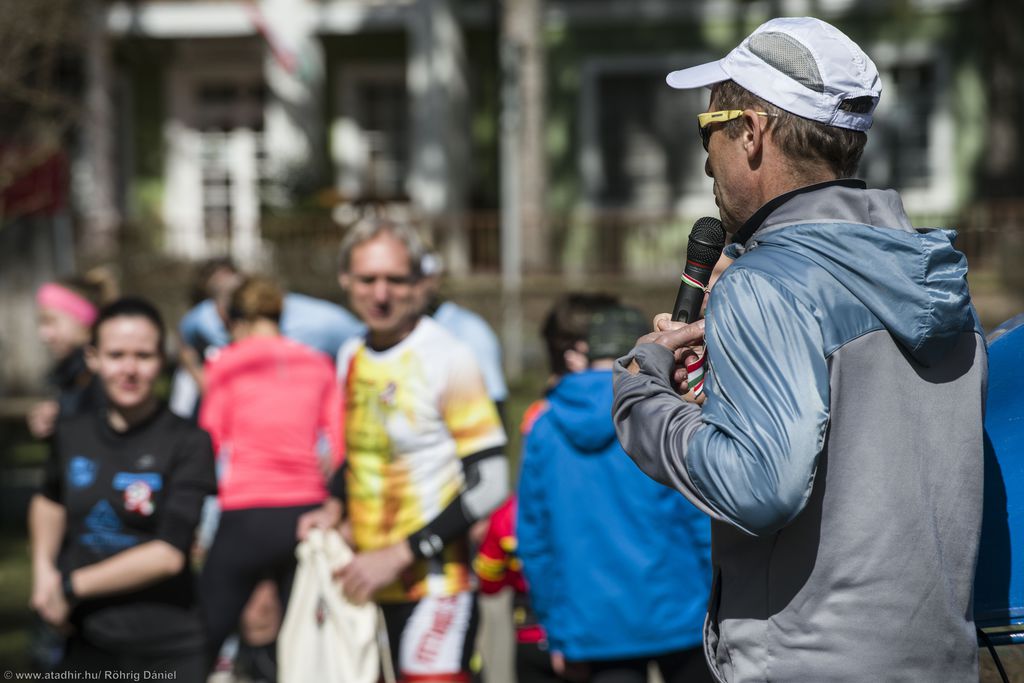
(649, 246)
(301, 246)
(992, 237)
(582, 250)
(635, 255)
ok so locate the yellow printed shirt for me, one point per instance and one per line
(412, 412)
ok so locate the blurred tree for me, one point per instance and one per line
(1002, 163)
(38, 102)
(55, 81)
(999, 186)
(40, 106)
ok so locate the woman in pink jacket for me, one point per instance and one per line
(273, 411)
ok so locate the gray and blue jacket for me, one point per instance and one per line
(839, 452)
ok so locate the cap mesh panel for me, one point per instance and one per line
(788, 56)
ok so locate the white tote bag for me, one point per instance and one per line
(324, 637)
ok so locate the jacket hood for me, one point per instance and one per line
(581, 407)
(913, 281)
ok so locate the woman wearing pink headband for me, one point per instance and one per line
(66, 311)
(55, 297)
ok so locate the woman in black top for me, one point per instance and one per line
(112, 525)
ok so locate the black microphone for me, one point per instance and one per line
(707, 238)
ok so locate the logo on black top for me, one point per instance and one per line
(104, 530)
(81, 472)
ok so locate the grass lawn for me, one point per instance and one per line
(15, 583)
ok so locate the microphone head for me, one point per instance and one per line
(706, 241)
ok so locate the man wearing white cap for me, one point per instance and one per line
(839, 449)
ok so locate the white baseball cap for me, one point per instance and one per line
(800, 64)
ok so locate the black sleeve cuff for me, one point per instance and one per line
(429, 541)
(654, 361)
(424, 544)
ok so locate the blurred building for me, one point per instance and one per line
(231, 109)
(256, 128)
(226, 110)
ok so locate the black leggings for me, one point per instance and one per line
(250, 545)
(681, 666)
(533, 664)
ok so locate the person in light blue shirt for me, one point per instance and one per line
(474, 331)
(319, 324)
(468, 327)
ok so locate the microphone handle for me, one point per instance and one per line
(689, 299)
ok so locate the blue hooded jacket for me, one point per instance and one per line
(618, 566)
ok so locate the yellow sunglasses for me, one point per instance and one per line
(709, 117)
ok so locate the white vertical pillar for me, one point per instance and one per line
(440, 132)
(183, 190)
(294, 72)
(522, 39)
(245, 202)
(101, 210)
(511, 222)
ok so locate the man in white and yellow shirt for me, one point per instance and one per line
(425, 458)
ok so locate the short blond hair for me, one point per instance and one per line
(373, 227)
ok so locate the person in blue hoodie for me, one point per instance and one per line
(613, 590)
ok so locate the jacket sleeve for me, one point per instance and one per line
(749, 457)
(474, 425)
(188, 483)
(52, 486)
(535, 539)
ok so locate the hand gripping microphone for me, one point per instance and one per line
(707, 238)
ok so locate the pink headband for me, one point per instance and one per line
(52, 295)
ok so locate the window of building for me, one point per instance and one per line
(370, 133)
(902, 138)
(227, 110)
(640, 148)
